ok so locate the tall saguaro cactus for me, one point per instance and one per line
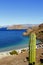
(32, 49)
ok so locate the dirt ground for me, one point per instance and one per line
(20, 59)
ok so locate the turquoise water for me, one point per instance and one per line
(10, 40)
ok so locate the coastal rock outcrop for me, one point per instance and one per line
(38, 30)
(27, 32)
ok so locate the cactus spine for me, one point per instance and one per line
(32, 49)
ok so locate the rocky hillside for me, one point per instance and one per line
(38, 30)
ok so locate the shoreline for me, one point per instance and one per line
(6, 53)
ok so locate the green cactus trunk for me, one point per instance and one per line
(32, 49)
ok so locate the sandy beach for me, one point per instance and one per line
(7, 53)
(20, 59)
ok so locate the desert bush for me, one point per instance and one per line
(14, 52)
(23, 50)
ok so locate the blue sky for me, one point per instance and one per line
(21, 12)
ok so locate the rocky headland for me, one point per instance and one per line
(37, 29)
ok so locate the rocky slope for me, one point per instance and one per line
(38, 30)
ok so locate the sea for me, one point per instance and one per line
(13, 39)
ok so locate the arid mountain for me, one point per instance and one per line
(15, 27)
(22, 26)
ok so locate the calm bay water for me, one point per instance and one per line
(10, 40)
(13, 40)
